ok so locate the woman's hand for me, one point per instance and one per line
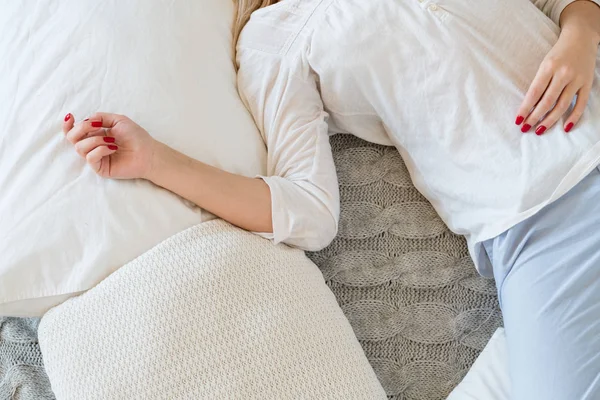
(567, 70)
(116, 147)
(113, 145)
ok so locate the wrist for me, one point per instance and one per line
(580, 21)
(157, 155)
(580, 34)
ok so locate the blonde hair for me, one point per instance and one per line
(242, 11)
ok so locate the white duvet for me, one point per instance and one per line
(213, 312)
(488, 378)
(167, 65)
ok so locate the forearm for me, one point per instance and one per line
(581, 19)
(242, 201)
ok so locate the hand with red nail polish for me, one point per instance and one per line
(113, 145)
(116, 147)
(566, 72)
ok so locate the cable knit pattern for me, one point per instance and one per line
(405, 282)
(213, 312)
(22, 373)
(409, 289)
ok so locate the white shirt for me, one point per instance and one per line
(441, 80)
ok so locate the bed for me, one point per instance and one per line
(406, 284)
(128, 276)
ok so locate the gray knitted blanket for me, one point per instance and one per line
(22, 373)
(405, 282)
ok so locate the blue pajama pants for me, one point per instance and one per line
(547, 271)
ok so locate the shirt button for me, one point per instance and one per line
(433, 7)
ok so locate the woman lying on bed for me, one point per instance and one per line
(443, 83)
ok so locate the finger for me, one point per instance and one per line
(108, 120)
(561, 107)
(68, 123)
(534, 94)
(546, 104)
(84, 129)
(84, 146)
(582, 99)
(95, 156)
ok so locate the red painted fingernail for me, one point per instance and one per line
(96, 124)
(519, 120)
(569, 127)
(87, 119)
(113, 147)
(525, 128)
(109, 139)
(67, 117)
(540, 130)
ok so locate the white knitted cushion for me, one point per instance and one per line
(211, 313)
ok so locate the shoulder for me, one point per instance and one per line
(272, 51)
(274, 43)
(277, 28)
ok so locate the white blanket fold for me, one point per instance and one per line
(213, 313)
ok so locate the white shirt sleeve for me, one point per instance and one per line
(288, 111)
(554, 8)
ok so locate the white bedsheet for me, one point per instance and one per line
(488, 379)
(167, 65)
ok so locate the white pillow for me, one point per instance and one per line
(213, 312)
(165, 64)
(488, 378)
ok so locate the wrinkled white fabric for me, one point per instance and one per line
(488, 378)
(442, 81)
(168, 66)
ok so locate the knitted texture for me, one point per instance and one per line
(22, 375)
(405, 282)
(213, 312)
